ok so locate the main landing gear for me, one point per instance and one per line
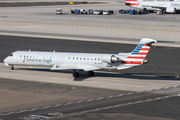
(89, 73)
(75, 74)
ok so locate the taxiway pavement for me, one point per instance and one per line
(38, 28)
(41, 20)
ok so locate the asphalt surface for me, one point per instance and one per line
(164, 61)
(140, 103)
(86, 103)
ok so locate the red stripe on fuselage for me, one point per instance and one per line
(131, 62)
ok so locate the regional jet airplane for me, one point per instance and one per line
(135, 4)
(167, 6)
(81, 61)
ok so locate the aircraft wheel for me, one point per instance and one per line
(75, 74)
(90, 73)
(12, 68)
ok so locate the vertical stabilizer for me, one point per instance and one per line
(138, 55)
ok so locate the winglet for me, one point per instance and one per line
(147, 41)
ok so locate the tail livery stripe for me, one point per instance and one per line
(141, 50)
(134, 4)
(137, 56)
(131, 3)
(131, 0)
(131, 62)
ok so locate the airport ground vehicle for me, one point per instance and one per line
(123, 11)
(111, 11)
(59, 11)
(90, 11)
(105, 12)
(78, 11)
(98, 12)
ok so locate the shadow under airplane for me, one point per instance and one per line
(113, 74)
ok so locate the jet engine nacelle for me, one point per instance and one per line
(109, 58)
(170, 10)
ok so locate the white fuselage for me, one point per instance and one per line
(161, 4)
(32, 58)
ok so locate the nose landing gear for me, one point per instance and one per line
(12, 67)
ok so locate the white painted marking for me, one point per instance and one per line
(79, 101)
(34, 109)
(55, 106)
(129, 93)
(110, 97)
(139, 101)
(118, 95)
(100, 98)
(68, 103)
(21, 111)
(128, 103)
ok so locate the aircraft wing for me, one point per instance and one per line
(79, 67)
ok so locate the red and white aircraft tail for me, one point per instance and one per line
(136, 4)
(138, 55)
(132, 3)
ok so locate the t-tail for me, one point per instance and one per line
(138, 55)
(132, 3)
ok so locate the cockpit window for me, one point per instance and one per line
(11, 55)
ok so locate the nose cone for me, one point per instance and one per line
(5, 60)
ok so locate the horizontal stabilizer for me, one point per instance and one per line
(147, 41)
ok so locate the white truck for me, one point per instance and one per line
(59, 11)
